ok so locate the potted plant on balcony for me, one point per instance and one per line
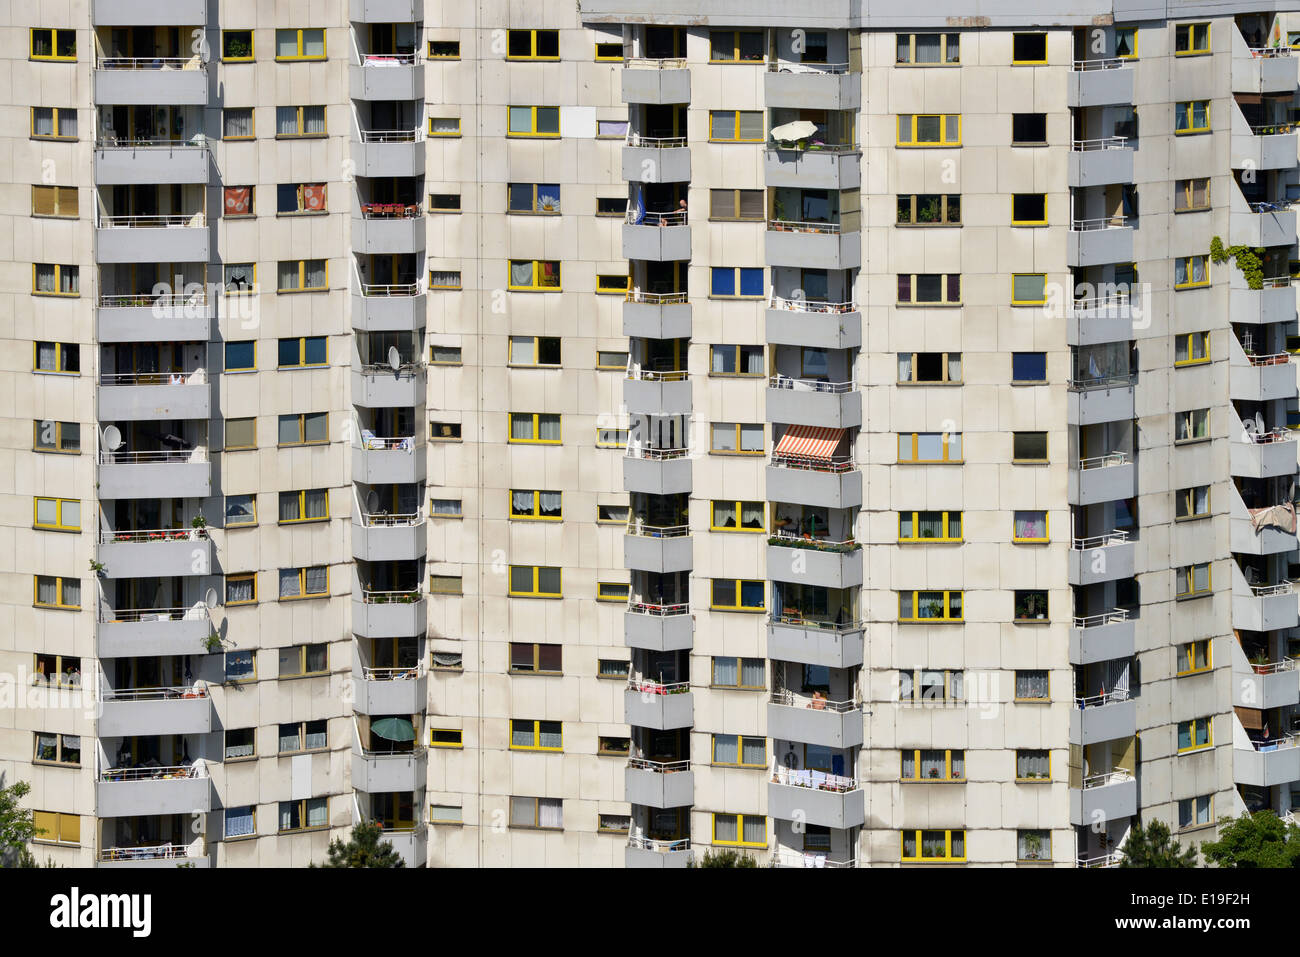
(1259, 663)
(199, 527)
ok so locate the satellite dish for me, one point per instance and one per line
(210, 597)
(372, 502)
(112, 438)
(394, 358)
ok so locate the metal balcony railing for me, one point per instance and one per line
(392, 136)
(385, 520)
(390, 597)
(1272, 129)
(658, 610)
(638, 526)
(796, 618)
(111, 536)
(192, 771)
(196, 220)
(658, 767)
(675, 217)
(813, 780)
(650, 686)
(1099, 143)
(150, 63)
(815, 702)
(375, 443)
(151, 852)
(390, 290)
(793, 226)
(1117, 537)
(782, 537)
(391, 674)
(192, 377)
(837, 463)
(788, 857)
(169, 300)
(153, 694)
(1104, 461)
(789, 66)
(197, 454)
(654, 142)
(655, 455)
(1121, 381)
(1114, 776)
(1112, 617)
(658, 846)
(780, 381)
(809, 306)
(1117, 221)
(110, 615)
(381, 60)
(642, 374)
(1103, 63)
(652, 63)
(656, 298)
(1100, 700)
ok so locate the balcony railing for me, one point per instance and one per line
(795, 617)
(654, 142)
(792, 226)
(149, 63)
(1117, 301)
(391, 136)
(659, 847)
(1117, 221)
(153, 852)
(384, 520)
(193, 377)
(390, 597)
(391, 674)
(1118, 537)
(1273, 667)
(1110, 859)
(1104, 63)
(110, 536)
(656, 298)
(674, 217)
(815, 701)
(652, 63)
(836, 463)
(167, 301)
(792, 539)
(1268, 437)
(196, 770)
(153, 694)
(649, 686)
(195, 220)
(391, 211)
(1100, 700)
(388, 290)
(1115, 776)
(813, 780)
(389, 59)
(1112, 617)
(805, 305)
(1099, 143)
(1104, 461)
(640, 527)
(1276, 359)
(787, 857)
(658, 610)
(1264, 206)
(1121, 381)
(1270, 591)
(780, 381)
(642, 374)
(109, 615)
(107, 139)
(789, 66)
(376, 443)
(655, 455)
(1279, 743)
(658, 767)
(405, 370)
(197, 454)
(1273, 129)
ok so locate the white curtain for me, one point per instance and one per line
(521, 426)
(239, 821)
(725, 749)
(317, 812)
(1031, 525)
(289, 583)
(521, 273)
(548, 428)
(550, 812)
(315, 578)
(725, 671)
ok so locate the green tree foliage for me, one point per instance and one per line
(726, 858)
(1255, 840)
(1152, 846)
(365, 848)
(16, 826)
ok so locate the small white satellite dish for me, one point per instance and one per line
(210, 597)
(394, 358)
(112, 438)
(372, 502)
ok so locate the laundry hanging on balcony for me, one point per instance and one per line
(810, 442)
(1274, 516)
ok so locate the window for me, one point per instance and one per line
(241, 589)
(1192, 502)
(240, 743)
(544, 813)
(53, 591)
(1193, 580)
(299, 275)
(300, 198)
(1126, 43)
(737, 282)
(61, 670)
(536, 735)
(1192, 425)
(444, 355)
(446, 738)
(1194, 657)
(1028, 367)
(739, 750)
(616, 361)
(919, 447)
(535, 427)
(241, 356)
(53, 279)
(535, 581)
(929, 289)
(747, 205)
(536, 198)
(612, 668)
(306, 582)
(929, 209)
(611, 129)
(308, 505)
(444, 431)
(58, 749)
(1029, 209)
(50, 44)
(1195, 734)
(534, 121)
(58, 514)
(740, 830)
(1029, 526)
(1191, 194)
(1033, 845)
(445, 508)
(609, 51)
(444, 279)
(59, 201)
(728, 516)
(535, 505)
(611, 205)
(1028, 48)
(532, 275)
(241, 434)
(1191, 38)
(240, 665)
(929, 129)
(53, 827)
(1191, 348)
(929, 526)
(1028, 129)
(304, 351)
(236, 46)
(304, 660)
(446, 814)
(291, 121)
(736, 46)
(749, 673)
(612, 283)
(444, 202)
(300, 44)
(307, 428)
(444, 49)
(741, 438)
(736, 360)
(1192, 116)
(612, 591)
(732, 594)
(1196, 812)
(612, 514)
(1032, 686)
(611, 438)
(444, 126)
(534, 351)
(535, 659)
(930, 685)
(1030, 605)
(303, 735)
(303, 815)
(928, 49)
(931, 765)
(1033, 765)
(934, 845)
(237, 123)
(239, 278)
(54, 123)
(929, 367)
(240, 821)
(1029, 446)
(735, 126)
(446, 585)
(532, 44)
(52, 436)
(237, 202)
(1028, 289)
(929, 606)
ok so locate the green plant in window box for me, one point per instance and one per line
(97, 567)
(1033, 847)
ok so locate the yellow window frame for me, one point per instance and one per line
(247, 368)
(251, 47)
(735, 45)
(1038, 699)
(1193, 725)
(914, 209)
(738, 606)
(916, 764)
(1190, 339)
(532, 45)
(910, 122)
(537, 668)
(737, 659)
(303, 593)
(740, 750)
(1187, 498)
(1185, 576)
(943, 50)
(302, 817)
(1027, 302)
(609, 59)
(58, 280)
(947, 606)
(536, 428)
(429, 54)
(252, 290)
(302, 509)
(58, 760)
(58, 193)
(433, 285)
(532, 132)
(325, 113)
(738, 504)
(737, 450)
(1020, 780)
(56, 827)
(60, 358)
(946, 443)
(55, 112)
(58, 587)
(536, 514)
(535, 285)
(451, 133)
(54, 45)
(57, 447)
(918, 693)
(300, 55)
(917, 838)
(239, 448)
(913, 286)
(240, 576)
(536, 591)
(1028, 222)
(916, 524)
(58, 524)
(740, 830)
(735, 350)
(537, 348)
(302, 430)
(1188, 188)
(537, 735)
(1191, 32)
(302, 277)
(1188, 108)
(252, 125)
(302, 362)
(601, 443)
(604, 284)
(1047, 526)
(617, 367)
(252, 501)
(1132, 32)
(736, 118)
(613, 591)
(452, 738)
(1187, 657)
(1032, 33)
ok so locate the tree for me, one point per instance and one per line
(365, 848)
(1153, 847)
(1261, 839)
(726, 858)
(16, 826)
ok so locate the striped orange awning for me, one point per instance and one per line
(810, 441)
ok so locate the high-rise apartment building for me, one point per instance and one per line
(594, 434)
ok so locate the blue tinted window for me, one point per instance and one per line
(751, 282)
(724, 281)
(1029, 366)
(239, 355)
(751, 594)
(314, 350)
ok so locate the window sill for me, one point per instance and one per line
(533, 289)
(742, 611)
(930, 225)
(298, 136)
(1031, 621)
(52, 528)
(1194, 595)
(314, 674)
(931, 541)
(237, 371)
(296, 212)
(245, 759)
(1194, 518)
(541, 597)
(294, 292)
(303, 830)
(931, 780)
(58, 451)
(245, 837)
(54, 764)
(928, 305)
(1201, 749)
(1193, 209)
(926, 66)
(1032, 144)
(1033, 780)
(303, 598)
(290, 754)
(37, 604)
(932, 621)
(1193, 674)
(739, 767)
(1192, 828)
(737, 375)
(1021, 382)
(1038, 701)
(738, 454)
(1038, 462)
(921, 382)
(1179, 443)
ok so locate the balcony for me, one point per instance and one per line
(659, 784)
(643, 852)
(152, 161)
(1262, 454)
(789, 857)
(411, 842)
(385, 11)
(388, 229)
(389, 614)
(653, 548)
(388, 308)
(657, 471)
(1267, 765)
(1261, 531)
(136, 396)
(132, 792)
(391, 691)
(1257, 224)
(653, 704)
(1274, 302)
(151, 239)
(387, 76)
(155, 553)
(388, 538)
(397, 460)
(822, 325)
(123, 81)
(797, 717)
(1102, 478)
(805, 86)
(148, 13)
(155, 318)
(1260, 378)
(658, 627)
(1263, 685)
(1100, 162)
(1101, 82)
(1260, 147)
(658, 237)
(1103, 717)
(384, 153)
(836, 405)
(663, 159)
(648, 315)
(1102, 637)
(1101, 319)
(656, 81)
(813, 245)
(147, 711)
(834, 483)
(814, 561)
(809, 641)
(153, 855)
(1261, 70)
(834, 167)
(817, 798)
(377, 772)
(1264, 607)
(1106, 399)
(1101, 558)
(1095, 242)
(1110, 796)
(145, 632)
(166, 474)
(379, 386)
(648, 392)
